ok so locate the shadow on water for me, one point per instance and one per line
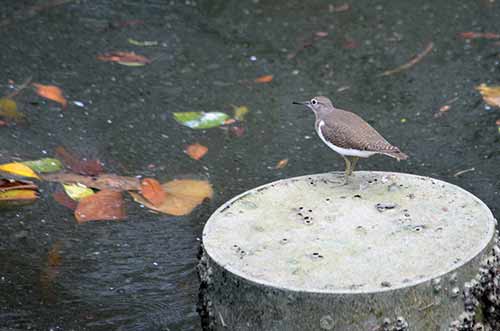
(140, 274)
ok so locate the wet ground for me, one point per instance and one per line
(139, 274)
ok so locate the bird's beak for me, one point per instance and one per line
(303, 103)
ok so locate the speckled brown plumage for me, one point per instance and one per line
(348, 130)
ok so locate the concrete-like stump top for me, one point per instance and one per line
(381, 232)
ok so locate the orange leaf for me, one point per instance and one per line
(196, 151)
(264, 79)
(281, 164)
(151, 189)
(104, 205)
(51, 92)
(127, 58)
(183, 195)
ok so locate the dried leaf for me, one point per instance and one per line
(196, 151)
(63, 199)
(77, 191)
(183, 195)
(491, 94)
(101, 182)
(8, 110)
(51, 92)
(238, 131)
(84, 167)
(12, 184)
(125, 58)
(479, 35)
(240, 112)
(281, 164)
(338, 8)
(44, 165)
(18, 169)
(264, 79)
(104, 205)
(152, 190)
(201, 120)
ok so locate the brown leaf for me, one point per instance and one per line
(479, 35)
(152, 190)
(491, 94)
(51, 92)
(11, 184)
(101, 182)
(102, 206)
(127, 58)
(84, 167)
(196, 151)
(264, 79)
(63, 199)
(183, 195)
(281, 164)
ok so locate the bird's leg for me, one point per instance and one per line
(348, 171)
(354, 160)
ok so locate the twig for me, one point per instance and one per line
(411, 63)
(463, 172)
(19, 88)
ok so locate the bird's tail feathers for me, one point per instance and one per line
(396, 153)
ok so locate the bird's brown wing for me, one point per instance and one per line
(348, 130)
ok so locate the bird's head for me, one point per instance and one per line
(318, 104)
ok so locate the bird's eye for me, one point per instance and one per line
(314, 102)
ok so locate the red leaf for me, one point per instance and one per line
(151, 189)
(104, 205)
(124, 57)
(84, 167)
(63, 199)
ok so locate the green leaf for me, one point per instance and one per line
(44, 165)
(201, 120)
(77, 191)
(142, 43)
(240, 112)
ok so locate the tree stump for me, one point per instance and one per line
(388, 251)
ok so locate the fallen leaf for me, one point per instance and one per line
(321, 34)
(183, 195)
(101, 182)
(196, 151)
(63, 199)
(152, 190)
(51, 92)
(497, 122)
(479, 35)
(13, 184)
(77, 191)
(102, 206)
(201, 120)
(491, 94)
(445, 108)
(125, 58)
(338, 8)
(281, 164)
(8, 110)
(229, 121)
(54, 257)
(76, 164)
(18, 169)
(240, 112)
(44, 165)
(264, 79)
(17, 197)
(142, 43)
(238, 131)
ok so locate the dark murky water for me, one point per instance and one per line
(140, 274)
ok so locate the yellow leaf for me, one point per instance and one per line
(240, 112)
(18, 169)
(491, 94)
(77, 191)
(183, 195)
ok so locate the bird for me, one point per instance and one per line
(348, 134)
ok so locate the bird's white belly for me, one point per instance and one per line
(340, 150)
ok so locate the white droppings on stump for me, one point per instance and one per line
(307, 253)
